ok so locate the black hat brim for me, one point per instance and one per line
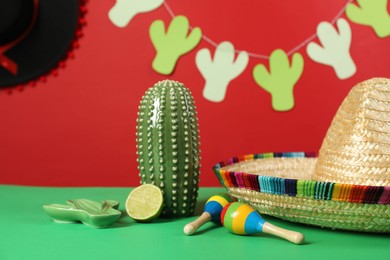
(46, 44)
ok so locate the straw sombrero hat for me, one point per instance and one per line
(346, 187)
(35, 36)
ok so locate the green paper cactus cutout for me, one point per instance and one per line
(334, 49)
(372, 13)
(124, 11)
(173, 44)
(281, 78)
(168, 145)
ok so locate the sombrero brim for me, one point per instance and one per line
(47, 43)
(281, 185)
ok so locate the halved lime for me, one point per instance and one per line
(145, 203)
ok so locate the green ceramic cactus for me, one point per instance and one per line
(168, 145)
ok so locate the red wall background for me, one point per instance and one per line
(78, 129)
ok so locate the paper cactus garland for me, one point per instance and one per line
(124, 10)
(280, 79)
(218, 72)
(168, 145)
(372, 13)
(173, 43)
(180, 38)
(335, 48)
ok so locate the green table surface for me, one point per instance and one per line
(28, 233)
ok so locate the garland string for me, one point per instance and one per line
(262, 56)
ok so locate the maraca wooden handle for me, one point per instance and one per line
(191, 227)
(289, 235)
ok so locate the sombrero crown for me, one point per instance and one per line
(356, 149)
(347, 187)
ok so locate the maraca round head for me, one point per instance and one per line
(241, 219)
(215, 204)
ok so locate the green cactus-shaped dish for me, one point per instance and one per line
(281, 78)
(168, 145)
(173, 44)
(372, 13)
(89, 212)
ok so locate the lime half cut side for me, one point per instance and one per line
(145, 203)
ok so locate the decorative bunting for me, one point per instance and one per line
(218, 72)
(335, 48)
(178, 40)
(280, 79)
(124, 10)
(173, 44)
(372, 13)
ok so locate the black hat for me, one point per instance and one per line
(35, 36)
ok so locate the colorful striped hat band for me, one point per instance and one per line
(345, 186)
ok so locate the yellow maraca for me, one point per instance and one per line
(242, 219)
(212, 212)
